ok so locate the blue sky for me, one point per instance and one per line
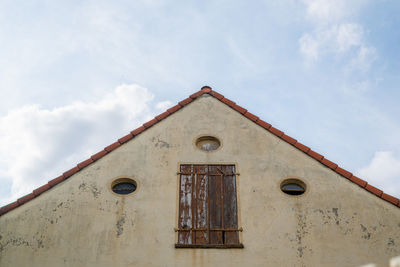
(77, 75)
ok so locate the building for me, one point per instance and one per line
(205, 183)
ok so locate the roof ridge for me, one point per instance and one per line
(204, 90)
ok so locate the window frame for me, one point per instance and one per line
(193, 228)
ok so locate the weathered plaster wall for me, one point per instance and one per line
(81, 223)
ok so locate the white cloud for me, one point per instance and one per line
(325, 9)
(343, 40)
(383, 172)
(335, 35)
(39, 144)
(364, 59)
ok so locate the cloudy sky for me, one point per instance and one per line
(77, 75)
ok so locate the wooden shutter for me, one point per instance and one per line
(207, 206)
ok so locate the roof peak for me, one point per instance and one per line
(204, 90)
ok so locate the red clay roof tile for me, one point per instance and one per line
(197, 94)
(150, 123)
(275, 131)
(41, 189)
(25, 198)
(112, 146)
(251, 116)
(174, 109)
(98, 155)
(315, 155)
(358, 181)
(240, 109)
(138, 130)
(162, 116)
(329, 163)
(263, 124)
(126, 138)
(56, 181)
(228, 102)
(302, 147)
(374, 190)
(85, 163)
(186, 101)
(289, 139)
(8, 207)
(217, 95)
(343, 172)
(208, 90)
(390, 198)
(70, 172)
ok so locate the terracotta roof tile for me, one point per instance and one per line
(275, 131)
(197, 94)
(138, 130)
(206, 89)
(343, 172)
(56, 181)
(374, 190)
(228, 102)
(315, 155)
(162, 116)
(251, 116)
(25, 198)
(358, 181)
(217, 95)
(70, 172)
(112, 146)
(241, 110)
(85, 163)
(263, 124)
(302, 147)
(390, 198)
(186, 101)
(150, 123)
(98, 155)
(126, 138)
(8, 207)
(329, 164)
(174, 109)
(41, 189)
(289, 139)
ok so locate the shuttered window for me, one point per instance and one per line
(208, 207)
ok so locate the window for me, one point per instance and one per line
(293, 187)
(123, 186)
(208, 143)
(208, 207)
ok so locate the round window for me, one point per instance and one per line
(123, 186)
(293, 187)
(208, 143)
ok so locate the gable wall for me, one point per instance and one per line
(81, 223)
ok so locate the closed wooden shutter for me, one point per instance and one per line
(208, 206)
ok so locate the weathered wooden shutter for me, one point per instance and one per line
(208, 205)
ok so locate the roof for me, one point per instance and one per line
(204, 90)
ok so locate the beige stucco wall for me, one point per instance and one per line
(81, 223)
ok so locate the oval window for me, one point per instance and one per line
(293, 187)
(208, 143)
(123, 186)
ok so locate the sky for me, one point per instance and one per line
(77, 75)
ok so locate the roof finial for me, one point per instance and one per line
(206, 88)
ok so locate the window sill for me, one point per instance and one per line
(209, 246)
